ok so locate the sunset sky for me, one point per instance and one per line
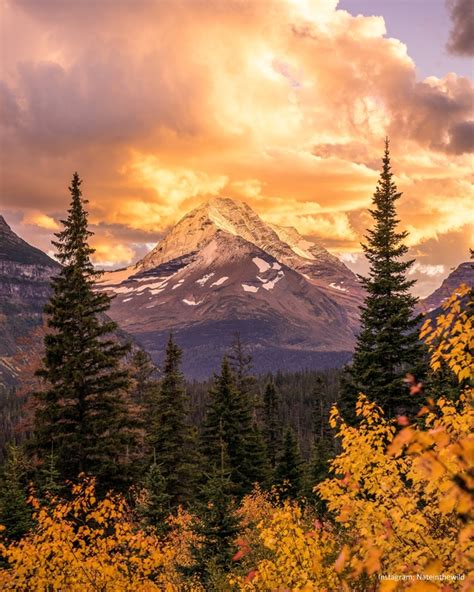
(284, 104)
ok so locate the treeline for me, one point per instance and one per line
(304, 400)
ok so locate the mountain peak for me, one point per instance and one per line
(4, 228)
(199, 226)
(228, 214)
(15, 249)
(236, 218)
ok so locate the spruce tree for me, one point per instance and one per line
(15, 512)
(143, 395)
(290, 467)
(82, 411)
(387, 345)
(255, 462)
(229, 417)
(318, 468)
(271, 423)
(145, 385)
(48, 479)
(217, 529)
(155, 507)
(170, 434)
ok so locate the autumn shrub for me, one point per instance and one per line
(86, 544)
(401, 495)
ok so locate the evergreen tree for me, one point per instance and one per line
(255, 462)
(15, 512)
(171, 433)
(82, 411)
(145, 380)
(229, 417)
(321, 410)
(217, 528)
(271, 421)
(387, 345)
(155, 508)
(241, 362)
(142, 398)
(48, 479)
(323, 439)
(290, 467)
(318, 468)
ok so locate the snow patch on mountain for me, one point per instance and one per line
(337, 287)
(192, 302)
(248, 288)
(220, 281)
(202, 281)
(153, 286)
(121, 289)
(269, 285)
(261, 264)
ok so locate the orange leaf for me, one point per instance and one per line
(341, 560)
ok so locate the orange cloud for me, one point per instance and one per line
(40, 220)
(283, 103)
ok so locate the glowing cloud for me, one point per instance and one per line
(283, 103)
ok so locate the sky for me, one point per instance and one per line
(285, 104)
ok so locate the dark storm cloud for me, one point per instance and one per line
(461, 38)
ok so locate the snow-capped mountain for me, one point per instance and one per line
(222, 269)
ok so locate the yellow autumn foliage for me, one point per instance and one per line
(402, 500)
(85, 544)
(451, 338)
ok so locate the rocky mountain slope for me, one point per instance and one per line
(25, 274)
(222, 269)
(462, 274)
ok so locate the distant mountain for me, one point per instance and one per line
(25, 274)
(222, 269)
(463, 274)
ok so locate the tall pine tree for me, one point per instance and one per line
(170, 435)
(229, 418)
(387, 345)
(82, 413)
